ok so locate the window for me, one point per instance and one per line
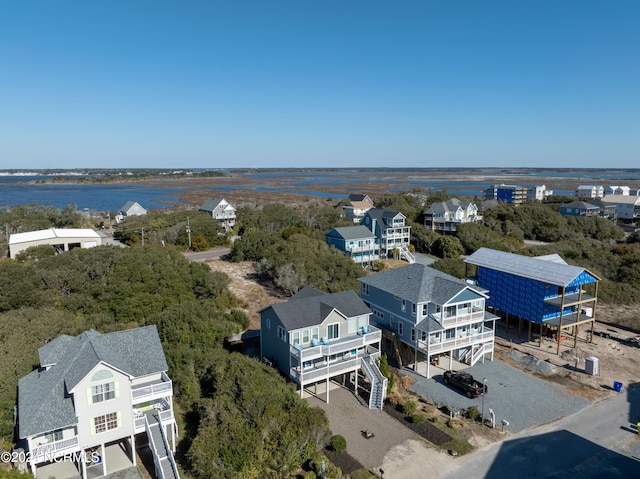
(282, 334)
(315, 333)
(391, 320)
(295, 337)
(413, 334)
(438, 308)
(103, 392)
(423, 335)
(399, 328)
(403, 305)
(305, 336)
(424, 310)
(450, 333)
(365, 288)
(106, 422)
(413, 309)
(308, 364)
(53, 436)
(333, 331)
(449, 311)
(268, 323)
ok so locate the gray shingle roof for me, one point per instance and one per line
(351, 232)
(545, 268)
(44, 403)
(419, 283)
(302, 311)
(583, 205)
(210, 204)
(383, 216)
(451, 204)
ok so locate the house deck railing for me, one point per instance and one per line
(316, 373)
(475, 316)
(454, 343)
(337, 346)
(164, 388)
(47, 451)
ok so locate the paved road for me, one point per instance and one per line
(599, 441)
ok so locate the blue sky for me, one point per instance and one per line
(209, 84)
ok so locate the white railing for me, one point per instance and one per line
(165, 388)
(154, 450)
(172, 461)
(51, 449)
(359, 249)
(322, 372)
(476, 315)
(336, 346)
(454, 343)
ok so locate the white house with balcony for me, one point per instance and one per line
(80, 413)
(445, 216)
(355, 242)
(590, 191)
(433, 313)
(221, 211)
(315, 337)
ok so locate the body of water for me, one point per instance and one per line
(20, 190)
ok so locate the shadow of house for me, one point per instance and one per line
(633, 398)
(558, 455)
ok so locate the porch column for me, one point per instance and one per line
(327, 389)
(355, 385)
(104, 460)
(132, 443)
(83, 463)
(33, 468)
(564, 292)
(450, 361)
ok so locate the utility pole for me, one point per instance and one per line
(142, 236)
(189, 232)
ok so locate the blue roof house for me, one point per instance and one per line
(355, 242)
(542, 290)
(315, 337)
(430, 313)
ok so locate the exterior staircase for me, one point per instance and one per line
(476, 355)
(378, 382)
(406, 255)
(162, 456)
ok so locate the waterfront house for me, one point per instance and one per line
(132, 208)
(579, 208)
(618, 190)
(445, 216)
(91, 399)
(512, 194)
(545, 291)
(391, 231)
(355, 242)
(62, 239)
(590, 191)
(538, 193)
(221, 211)
(315, 337)
(355, 210)
(434, 314)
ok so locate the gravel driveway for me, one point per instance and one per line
(520, 398)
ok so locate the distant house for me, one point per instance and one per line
(315, 337)
(590, 191)
(61, 239)
(355, 210)
(432, 313)
(445, 216)
(361, 197)
(545, 291)
(355, 242)
(607, 210)
(91, 399)
(221, 211)
(579, 208)
(538, 193)
(618, 190)
(512, 194)
(389, 227)
(130, 208)
(627, 207)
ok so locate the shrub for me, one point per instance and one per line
(395, 399)
(473, 413)
(409, 407)
(310, 475)
(338, 443)
(418, 418)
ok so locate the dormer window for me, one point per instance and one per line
(105, 390)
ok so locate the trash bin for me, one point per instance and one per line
(617, 386)
(591, 365)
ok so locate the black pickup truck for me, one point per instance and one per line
(465, 383)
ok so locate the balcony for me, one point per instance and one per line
(455, 343)
(161, 408)
(154, 390)
(475, 316)
(47, 452)
(336, 346)
(329, 370)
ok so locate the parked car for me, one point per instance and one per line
(465, 383)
